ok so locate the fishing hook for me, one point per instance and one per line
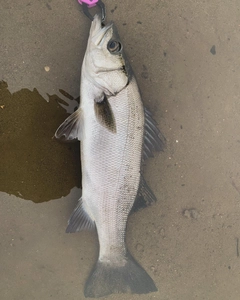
(86, 4)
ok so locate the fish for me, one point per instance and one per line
(117, 134)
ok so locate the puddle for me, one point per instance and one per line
(34, 165)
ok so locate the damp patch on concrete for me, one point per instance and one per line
(34, 165)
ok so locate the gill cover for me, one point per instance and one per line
(104, 63)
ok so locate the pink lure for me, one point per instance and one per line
(90, 3)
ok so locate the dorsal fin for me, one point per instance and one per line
(145, 196)
(153, 139)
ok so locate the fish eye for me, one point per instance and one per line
(114, 46)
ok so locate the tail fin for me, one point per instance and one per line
(107, 279)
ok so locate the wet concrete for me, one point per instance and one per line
(33, 165)
(186, 59)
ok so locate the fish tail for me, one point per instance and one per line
(106, 279)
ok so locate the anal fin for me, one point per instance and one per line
(79, 219)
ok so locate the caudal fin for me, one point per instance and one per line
(106, 279)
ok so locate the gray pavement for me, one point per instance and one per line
(185, 55)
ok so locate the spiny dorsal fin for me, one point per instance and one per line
(153, 139)
(104, 114)
(145, 196)
(70, 129)
(79, 219)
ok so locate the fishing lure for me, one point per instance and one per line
(86, 4)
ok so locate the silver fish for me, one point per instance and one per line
(117, 133)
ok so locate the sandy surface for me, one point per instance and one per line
(185, 55)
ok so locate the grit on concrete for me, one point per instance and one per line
(185, 55)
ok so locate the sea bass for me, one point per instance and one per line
(117, 133)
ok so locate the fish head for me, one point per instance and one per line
(104, 62)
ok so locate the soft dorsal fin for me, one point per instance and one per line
(153, 139)
(70, 129)
(145, 196)
(79, 219)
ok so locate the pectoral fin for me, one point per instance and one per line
(105, 115)
(70, 129)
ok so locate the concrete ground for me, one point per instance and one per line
(185, 55)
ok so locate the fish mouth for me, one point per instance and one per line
(99, 30)
(103, 33)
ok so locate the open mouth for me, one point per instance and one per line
(103, 32)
